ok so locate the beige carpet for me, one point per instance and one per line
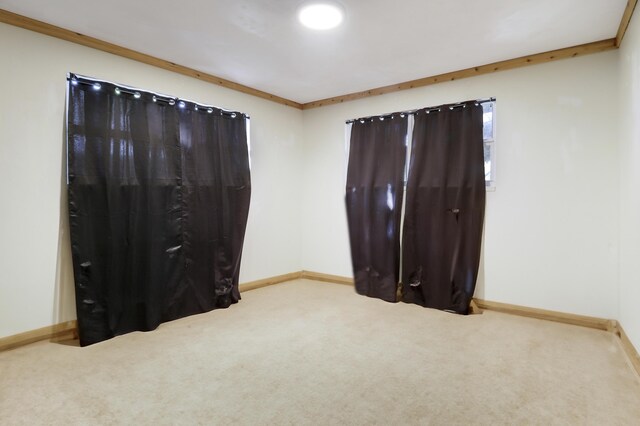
(315, 353)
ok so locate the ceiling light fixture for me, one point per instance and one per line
(321, 15)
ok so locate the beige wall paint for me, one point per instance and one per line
(551, 230)
(36, 286)
(551, 235)
(630, 181)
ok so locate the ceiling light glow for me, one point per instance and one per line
(321, 16)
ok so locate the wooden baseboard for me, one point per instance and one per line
(474, 309)
(630, 350)
(69, 328)
(64, 329)
(318, 276)
(252, 285)
(524, 311)
(479, 305)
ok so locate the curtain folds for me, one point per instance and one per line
(374, 193)
(444, 213)
(158, 203)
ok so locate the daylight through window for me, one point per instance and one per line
(488, 134)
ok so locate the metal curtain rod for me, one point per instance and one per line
(157, 97)
(414, 111)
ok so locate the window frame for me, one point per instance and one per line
(489, 144)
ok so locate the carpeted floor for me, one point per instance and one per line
(315, 353)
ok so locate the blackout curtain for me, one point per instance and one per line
(158, 202)
(445, 204)
(374, 195)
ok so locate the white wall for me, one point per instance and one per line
(551, 232)
(630, 181)
(36, 287)
(552, 225)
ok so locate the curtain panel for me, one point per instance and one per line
(158, 204)
(444, 213)
(374, 193)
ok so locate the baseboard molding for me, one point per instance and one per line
(609, 325)
(318, 276)
(478, 305)
(252, 285)
(69, 328)
(64, 329)
(630, 350)
(524, 311)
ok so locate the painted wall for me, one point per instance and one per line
(36, 287)
(551, 232)
(552, 225)
(630, 181)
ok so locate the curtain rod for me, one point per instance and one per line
(414, 111)
(157, 97)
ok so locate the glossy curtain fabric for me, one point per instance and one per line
(374, 202)
(216, 189)
(158, 203)
(444, 211)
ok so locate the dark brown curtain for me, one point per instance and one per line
(445, 204)
(374, 201)
(158, 202)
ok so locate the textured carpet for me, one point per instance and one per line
(315, 353)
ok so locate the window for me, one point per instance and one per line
(488, 135)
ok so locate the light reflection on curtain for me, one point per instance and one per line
(158, 203)
(374, 199)
(444, 213)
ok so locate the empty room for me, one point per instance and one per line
(320, 212)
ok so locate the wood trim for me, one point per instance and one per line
(94, 43)
(69, 329)
(525, 311)
(474, 309)
(66, 329)
(479, 305)
(252, 285)
(318, 276)
(554, 55)
(630, 350)
(540, 58)
(624, 23)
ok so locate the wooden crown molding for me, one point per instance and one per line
(624, 23)
(554, 55)
(81, 39)
(540, 58)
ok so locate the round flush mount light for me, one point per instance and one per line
(321, 15)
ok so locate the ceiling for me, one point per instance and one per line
(260, 44)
